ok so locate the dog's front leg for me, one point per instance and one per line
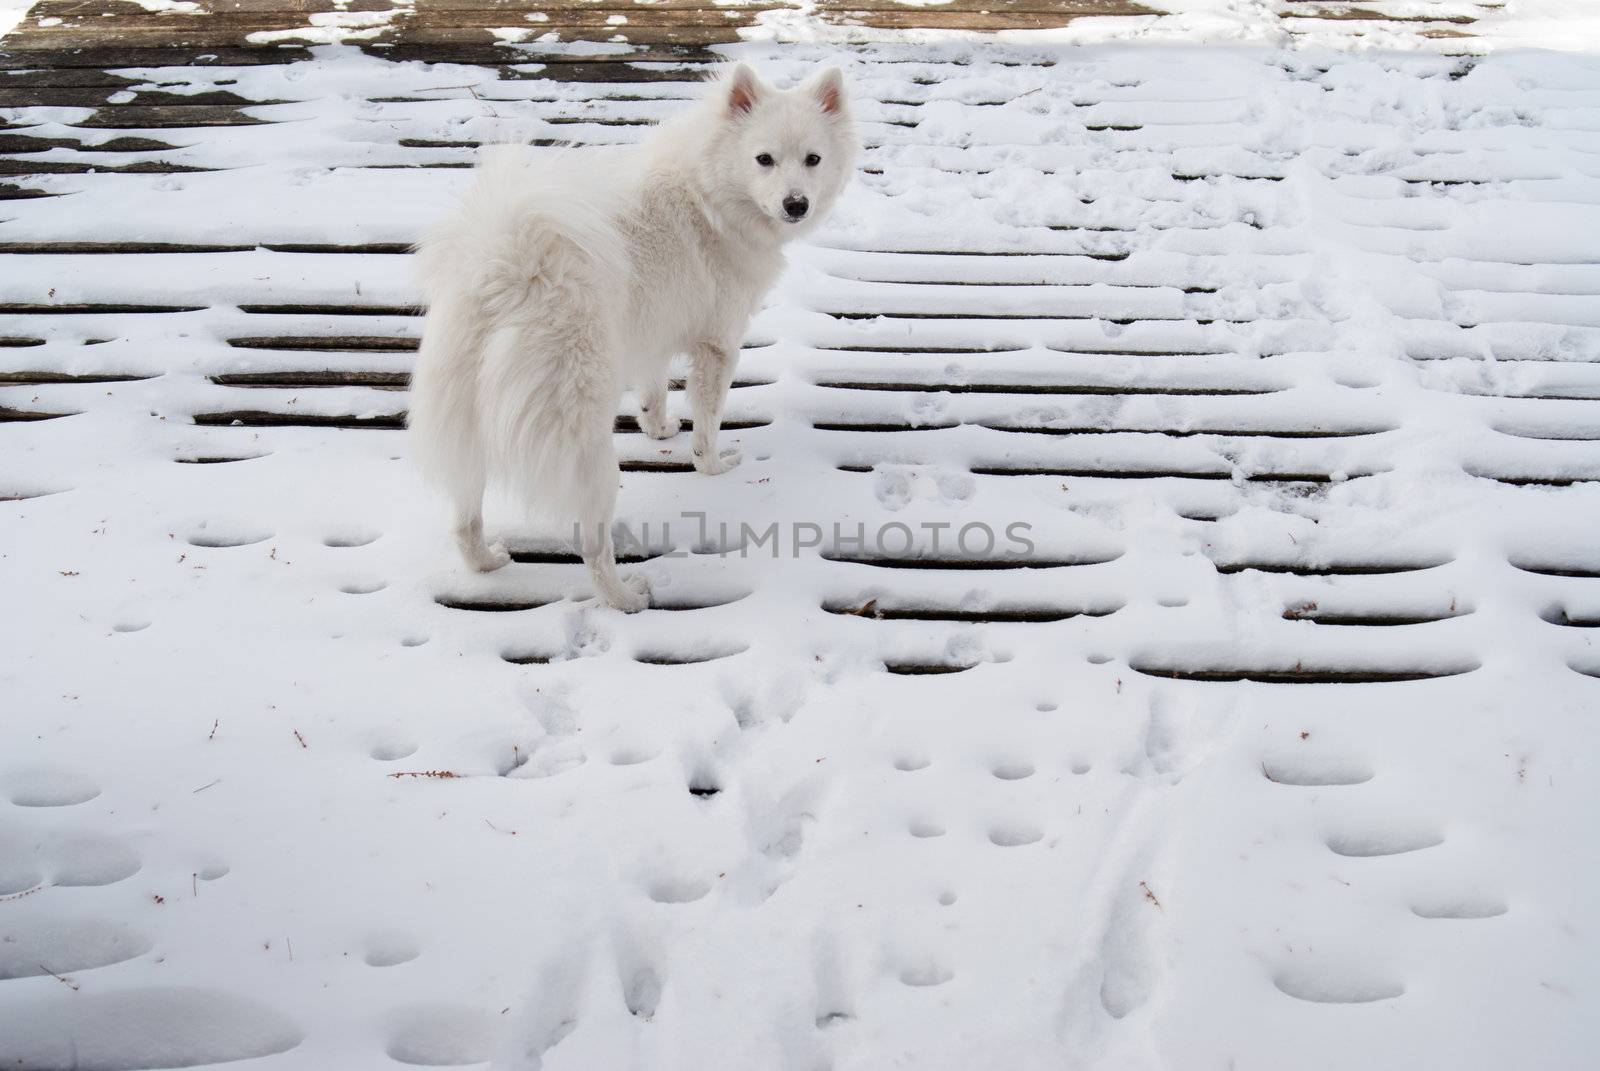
(653, 418)
(711, 369)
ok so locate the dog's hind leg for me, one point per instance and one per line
(711, 370)
(445, 433)
(596, 500)
(653, 418)
(466, 497)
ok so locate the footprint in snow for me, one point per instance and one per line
(678, 889)
(1471, 906)
(1014, 835)
(836, 1005)
(551, 745)
(1175, 739)
(1315, 771)
(391, 746)
(37, 947)
(1128, 968)
(131, 1029)
(633, 754)
(63, 859)
(641, 992)
(702, 779)
(221, 538)
(363, 587)
(586, 633)
(1377, 842)
(49, 788)
(925, 973)
(1012, 771)
(349, 538)
(18, 876)
(440, 1035)
(1333, 985)
(86, 859)
(777, 699)
(389, 949)
(955, 486)
(895, 487)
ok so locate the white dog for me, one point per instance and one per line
(563, 279)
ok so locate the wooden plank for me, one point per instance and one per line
(63, 167)
(623, 72)
(328, 343)
(106, 54)
(95, 97)
(19, 144)
(12, 192)
(321, 377)
(983, 22)
(1050, 9)
(557, 10)
(130, 248)
(659, 37)
(645, 26)
(240, 24)
(331, 310)
(19, 416)
(199, 36)
(31, 377)
(1362, 14)
(140, 117)
(25, 308)
(476, 43)
(69, 77)
(260, 418)
(562, 10)
(990, 7)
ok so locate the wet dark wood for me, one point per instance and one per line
(1362, 14)
(98, 96)
(27, 143)
(68, 34)
(61, 167)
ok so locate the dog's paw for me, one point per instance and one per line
(634, 596)
(716, 466)
(486, 559)
(658, 426)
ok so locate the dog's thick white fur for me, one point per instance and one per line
(564, 278)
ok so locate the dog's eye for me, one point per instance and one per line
(812, 159)
(765, 159)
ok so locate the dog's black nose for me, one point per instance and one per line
(796, 207)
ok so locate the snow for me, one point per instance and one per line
(720, 834)
(12, 12)
(331, 27)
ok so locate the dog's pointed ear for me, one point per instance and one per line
(828, 88)
(744, 89)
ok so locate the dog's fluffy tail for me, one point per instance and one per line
(514, 376)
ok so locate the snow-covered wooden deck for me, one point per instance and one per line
(1271, 752)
